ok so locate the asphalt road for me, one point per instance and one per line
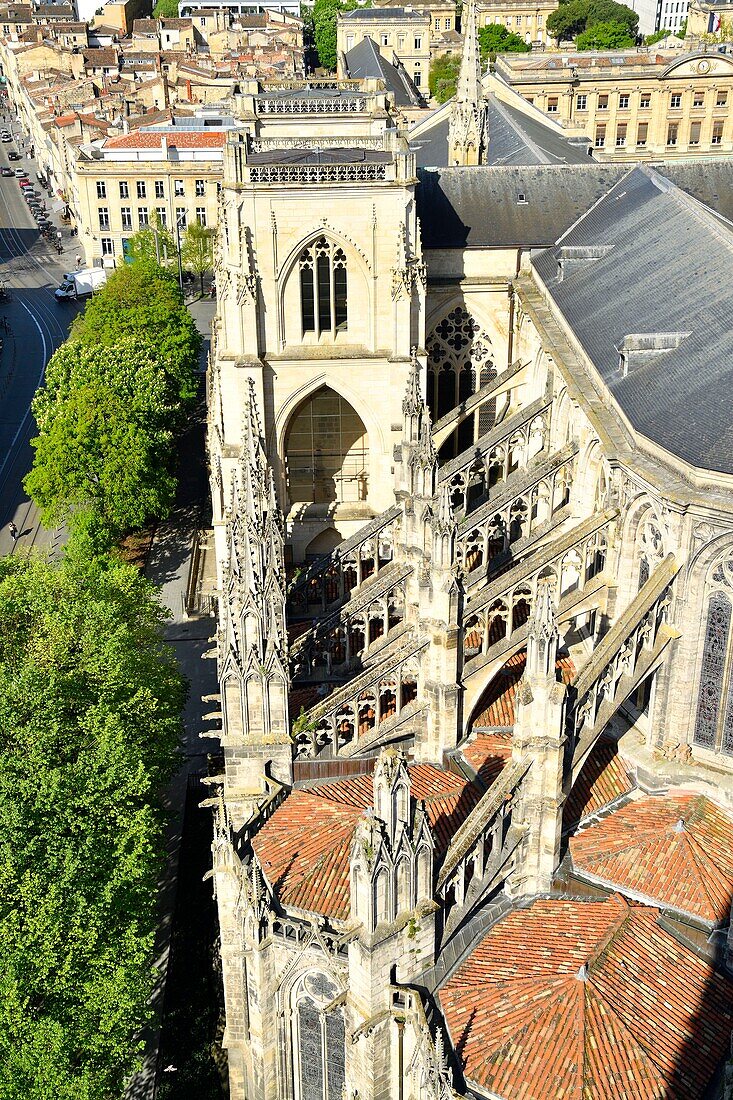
(32, 270)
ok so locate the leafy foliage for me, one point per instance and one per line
(165, 9)
(573, 17)
(605, 36)
(443, 76)
(494, 38)
(144, 301)
(89, 704)
(650, 39)
(105, 442)
(325, 13)
(153, 243)
(197, 250)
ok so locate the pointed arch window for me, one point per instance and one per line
(714, 718)
(323, 288)
(319, 1040)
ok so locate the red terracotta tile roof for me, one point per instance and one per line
(587, 1001)
(187, 139)
(602, 780)
(487, 754)
(498, 699)
(676, 850)
(304, 847)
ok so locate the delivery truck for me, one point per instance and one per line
(80, 284)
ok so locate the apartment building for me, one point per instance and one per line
(529, 21)
(633, 105)
(397, 32)
(126, 181)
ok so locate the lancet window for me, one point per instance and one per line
(323, 288)
(714, 717)
(318, 1040)
(459, 363)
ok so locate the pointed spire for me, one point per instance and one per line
(542, 636)
(468, 88)
(468, 126)
(412, 403)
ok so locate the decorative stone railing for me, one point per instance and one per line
(320, 105)
(366, 172)
(261, 145)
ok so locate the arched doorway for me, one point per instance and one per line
(326, 451)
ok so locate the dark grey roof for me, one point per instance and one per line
(710, 182)
(648, 261)
(378, 15)
(365, 62)
(514, 138)
(507, 207)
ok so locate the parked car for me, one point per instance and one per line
(20, 173)
(5, 138)
(13, 155)
(6, 171)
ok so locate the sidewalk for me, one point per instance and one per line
(168, 568)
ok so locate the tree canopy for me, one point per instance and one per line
(153, 243)
(650, 39)
(605, 36)
(494, 38)
(90, 704)
(165, 9)
(443, 76)
(573, 17)
(142, 300)
(325, 13)
(197, 250)
(105, 442)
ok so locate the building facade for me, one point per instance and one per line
(401, 32)
(529, 21)
(507, 622)
(633, 106)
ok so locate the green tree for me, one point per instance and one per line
(573, 17)
(605, 36)
(443, 76)
(325, 14)
(90, 704)
(650, 39)
(568, 19)
(105, 440)
(166, 9)
(153, 244)
(494, 38)
(197, 250)
(144, 301)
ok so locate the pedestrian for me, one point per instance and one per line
(78, 261)
(6, 326)
(13, 533)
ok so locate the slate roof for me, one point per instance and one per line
(587, 1001)
(365, 62)
(481, 207)
(377, 15)
(514, 138)
(320, 156)
(657, 263)
(676, 850)
(710, 182)
(304, 847)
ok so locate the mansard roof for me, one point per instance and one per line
(676, 851)
(365, 62)
(587, 999)
(508, 207)
(304, 847)
(648, 269)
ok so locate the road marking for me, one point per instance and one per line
(40, 380)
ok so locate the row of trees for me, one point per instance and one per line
(156, 244)
(116, 394)
(90, 702)
(319, 26)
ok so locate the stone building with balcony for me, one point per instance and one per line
(632, 106)
(474, 815)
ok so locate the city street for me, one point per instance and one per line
(31, 270)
